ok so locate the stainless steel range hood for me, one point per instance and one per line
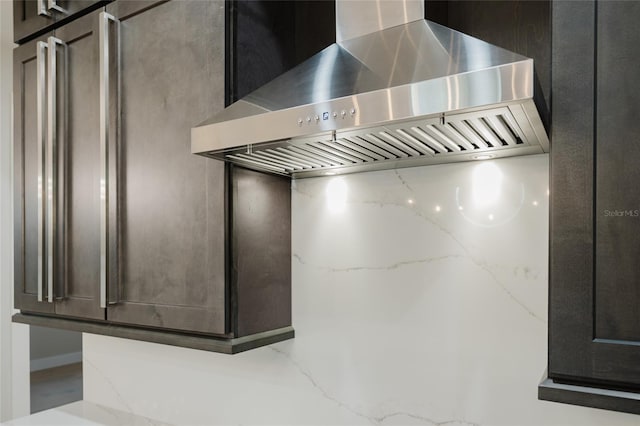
(395, 90)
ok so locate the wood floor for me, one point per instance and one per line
(56, 386)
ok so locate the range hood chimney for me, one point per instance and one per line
(395, 90)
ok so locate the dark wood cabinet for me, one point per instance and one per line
(63, 119)
(617, 198)
(171, 203)
(33, 16)
(166, 214)
(594, 333)
(141, 237)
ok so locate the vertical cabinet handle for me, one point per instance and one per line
(50, 173)
(105, 20)
(41, 48)
(46, 151)
(51, 164)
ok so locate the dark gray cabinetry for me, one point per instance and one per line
(163, 260)
(33, 16)
(142, 239)
(617, 173)
(171, 204)
(260, 248)
(594, 332)
(57, 252)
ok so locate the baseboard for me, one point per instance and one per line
(55, 361)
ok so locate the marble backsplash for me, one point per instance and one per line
(419, 297)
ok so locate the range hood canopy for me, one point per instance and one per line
(395, 90)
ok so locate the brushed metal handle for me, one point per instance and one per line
(53, 4)
(42, 9)
(41, 48)
(105, 19)
(51, 159)
(49, 170)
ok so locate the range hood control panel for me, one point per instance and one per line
(328, 118)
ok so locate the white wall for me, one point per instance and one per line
(419, 297)
(14, 338)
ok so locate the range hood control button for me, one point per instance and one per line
(317, 118)
(308, 119)
(353, 111)
(343, 113)
(335, 114)
(299, 121)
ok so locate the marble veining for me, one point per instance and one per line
(379, 268)
(373, 420)
(466, 254)
(486, 268)
(313, 382)
(88, 364)
(419, 298)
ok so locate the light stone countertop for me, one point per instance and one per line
(83, 413)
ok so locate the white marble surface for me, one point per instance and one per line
(419, 297)
(83, 413)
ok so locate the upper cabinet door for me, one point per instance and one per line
(32, 16)
(617, 197)
(171, 203)
(594, 324)
(77, 116)
(57, 184)
(30, 134)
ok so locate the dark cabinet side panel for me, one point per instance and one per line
(617, 172)
(171, 203)
(260, 250)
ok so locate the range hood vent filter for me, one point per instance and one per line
(461, 137)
